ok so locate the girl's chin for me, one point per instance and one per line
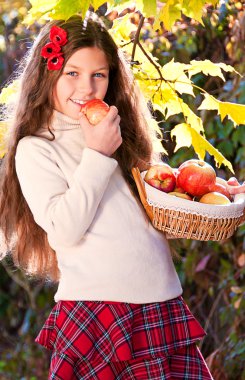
(73, 114)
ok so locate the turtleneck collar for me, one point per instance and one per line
(63, 122)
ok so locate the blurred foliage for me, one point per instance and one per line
(212, 273)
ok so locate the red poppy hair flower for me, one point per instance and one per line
(58, 35)
(55, 62)
(49, 50)
(52, 50)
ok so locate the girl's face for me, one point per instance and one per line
(85, 76)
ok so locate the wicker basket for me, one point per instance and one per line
(181, 218)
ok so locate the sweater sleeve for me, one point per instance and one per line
(64, 212)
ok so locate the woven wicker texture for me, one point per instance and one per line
(171, 215)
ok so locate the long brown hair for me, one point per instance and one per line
(27, 240)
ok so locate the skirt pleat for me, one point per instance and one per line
(91, 335)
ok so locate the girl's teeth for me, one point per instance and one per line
(78, 101)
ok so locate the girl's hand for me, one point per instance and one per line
(234, 187)
(105, 137)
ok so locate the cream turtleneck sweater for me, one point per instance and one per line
(106, 249)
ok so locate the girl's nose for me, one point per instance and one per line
(85, 86)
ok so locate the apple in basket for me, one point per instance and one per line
(179, 190)
(215, 198)
(161, 177)
(181, 195)
(196, 177)
(219, 188)
(95, 110)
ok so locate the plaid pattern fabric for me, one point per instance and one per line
(98, 340)
(186, 364)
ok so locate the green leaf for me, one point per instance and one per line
(226, 147)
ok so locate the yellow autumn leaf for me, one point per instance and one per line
(209, 68)
(201, 146)
(213, 2)
(168, 14)
(191, 118)
(8, 94)
(97, 3)
(122, 28)
(186, 136)
(39, 10)
(157, 146)
(147, 69)
(172, 10)
(58, 9)
(166, 101)
(3, 133)
(175, 72)
(194, 9)
(235, 112)
(156, 142)
(182, 134)
(64, 9)
(173, 107)
(149, 8)
(148, 87)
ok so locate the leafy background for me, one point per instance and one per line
(212, 273)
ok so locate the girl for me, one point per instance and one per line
(68, 196)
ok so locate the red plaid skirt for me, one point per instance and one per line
(116, 340)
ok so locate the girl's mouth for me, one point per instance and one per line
(79, 102)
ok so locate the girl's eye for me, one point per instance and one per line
(72, 73)
(99, 75)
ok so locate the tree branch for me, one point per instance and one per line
(137, 35)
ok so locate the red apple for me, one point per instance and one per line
(181, 195)
(196, 177)
(214, 198)
(155, 183)
(220, 189)
(162, 173)
(222, 181)
(179, 190)
(95, 110)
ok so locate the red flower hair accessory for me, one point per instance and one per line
(52, 50)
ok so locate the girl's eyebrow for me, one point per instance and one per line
(76, 67)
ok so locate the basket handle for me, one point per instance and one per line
(142, 192)
(139, 184)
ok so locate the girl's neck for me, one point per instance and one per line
(62, 122)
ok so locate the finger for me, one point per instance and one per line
(83, 120)
(112, 113)
(233, 181)
(233, 190)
